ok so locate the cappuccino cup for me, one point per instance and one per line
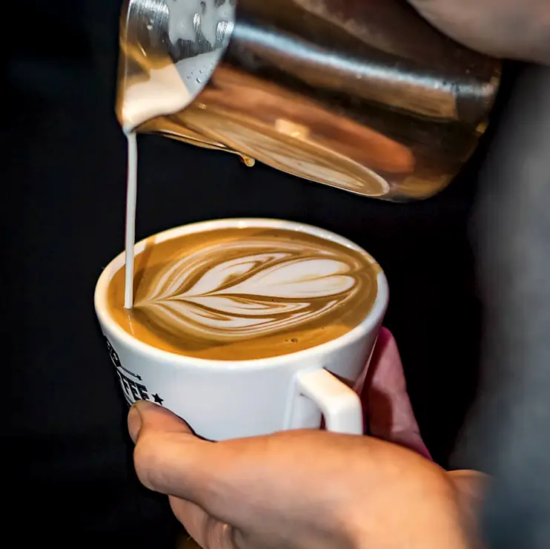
(246, 327)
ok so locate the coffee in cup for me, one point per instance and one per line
(245, 327)
(245, 293)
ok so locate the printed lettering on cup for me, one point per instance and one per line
(132, 384)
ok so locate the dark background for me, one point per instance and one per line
(62, 175)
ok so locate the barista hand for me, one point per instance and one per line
(503, 28)
(310, 489)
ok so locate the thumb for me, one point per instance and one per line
(147, 415)
(168, 458)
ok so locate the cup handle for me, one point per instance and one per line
(339, 404)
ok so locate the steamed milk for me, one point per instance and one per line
(169, 90)
(245, 293)
(228, 294)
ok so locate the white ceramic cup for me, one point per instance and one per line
(232, 399)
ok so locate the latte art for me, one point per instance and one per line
(246, 289)
(232, 291)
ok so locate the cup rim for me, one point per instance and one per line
(372, 319)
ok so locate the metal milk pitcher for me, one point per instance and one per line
(361, 95)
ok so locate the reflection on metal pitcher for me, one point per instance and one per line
(357, 94)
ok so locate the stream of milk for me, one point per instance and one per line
(169, 90)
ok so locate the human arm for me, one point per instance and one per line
(503, 28)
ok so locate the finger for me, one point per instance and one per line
(168, 458)
(157, 418)
(389, 411)
(204, 529)
(260, 473)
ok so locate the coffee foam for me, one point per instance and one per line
(246, 293)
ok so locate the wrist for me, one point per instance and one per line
(438, 515)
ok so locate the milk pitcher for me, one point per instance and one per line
(361, 95)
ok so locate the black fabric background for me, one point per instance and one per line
(62, 175)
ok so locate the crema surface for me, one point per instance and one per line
(239, 294)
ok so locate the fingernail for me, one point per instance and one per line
(134, 423)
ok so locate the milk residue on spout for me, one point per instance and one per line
(165, 92)
(170, 88)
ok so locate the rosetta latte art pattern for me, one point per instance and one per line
(242, 290)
